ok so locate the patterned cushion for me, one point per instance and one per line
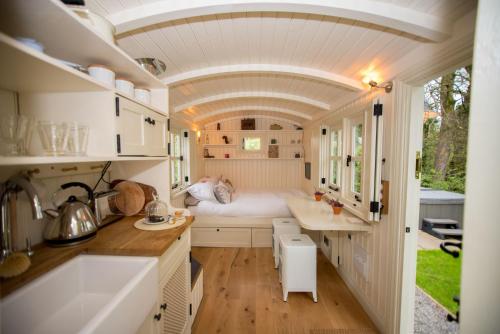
(191, 201)
(222, 193)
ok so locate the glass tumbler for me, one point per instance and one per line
(54, 137)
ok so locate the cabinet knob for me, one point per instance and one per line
(153, 121)
(163, 306)
(157, 316)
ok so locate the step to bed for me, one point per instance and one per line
(447, 233)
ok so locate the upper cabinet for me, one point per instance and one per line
(139, 130)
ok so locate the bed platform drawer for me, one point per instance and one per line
(221, 237)
(262, 237)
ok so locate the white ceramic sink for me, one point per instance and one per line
(88, 294)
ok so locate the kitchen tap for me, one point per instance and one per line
(14, 185)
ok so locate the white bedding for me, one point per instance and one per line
(250, 202)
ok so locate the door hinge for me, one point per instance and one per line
(374, 206)
(323, 132)
(190, 309)
(186, 134)
(323, 180)
(407, 230)
(168, 124)
(168, 149)
(118, 144)
(377, 109)
(117, 106)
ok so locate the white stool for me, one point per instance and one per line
(298, 264)
(282, 226)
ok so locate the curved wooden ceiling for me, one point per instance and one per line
(293, 59)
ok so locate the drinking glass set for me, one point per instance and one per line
(57, 138)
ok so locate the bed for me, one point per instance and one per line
(245, 222)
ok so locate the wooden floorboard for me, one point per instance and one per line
(242, 294)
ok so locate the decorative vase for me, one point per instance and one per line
(318, 197)
(337, 210)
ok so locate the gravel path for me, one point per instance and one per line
(430, 318)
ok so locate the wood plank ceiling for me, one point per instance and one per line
(294, 65)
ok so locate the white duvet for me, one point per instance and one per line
(250, 202)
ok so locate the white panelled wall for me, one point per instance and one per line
(377, 293)
(256, 171)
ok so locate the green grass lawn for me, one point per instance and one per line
(438, 274)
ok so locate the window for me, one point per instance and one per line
(251, 144)
(335, 159)
(355, 159)
(179, 159)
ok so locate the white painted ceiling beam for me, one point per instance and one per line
(305, 72)
(253, 94)
(253, 108)
(380, 13)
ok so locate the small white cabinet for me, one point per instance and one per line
(139, 130)
(171, 315)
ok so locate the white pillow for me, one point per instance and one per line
(222, 193)
(203, 191)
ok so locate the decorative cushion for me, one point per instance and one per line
(211, 179)
(222, 193)
(229, 185)
(191, 201)
(203, 191)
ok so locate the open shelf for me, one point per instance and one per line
(253, 131)
(76, 42)
(133, 99)
(39, 160)
(27, 70)
(221, 145)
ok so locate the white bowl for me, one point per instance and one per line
(102, 74)
(125, 86)
(142, 95)
(101, 25)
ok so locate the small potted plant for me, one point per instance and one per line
(336, 206)
(318, 195)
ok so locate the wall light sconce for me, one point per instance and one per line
(198, 135)
(387, 85)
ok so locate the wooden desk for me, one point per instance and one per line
(318, 216)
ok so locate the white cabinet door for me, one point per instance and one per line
(140, 131)
(150, 324)
(156, 134)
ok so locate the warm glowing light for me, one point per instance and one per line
(370, 74)
(198, 133)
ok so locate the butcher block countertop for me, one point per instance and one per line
(119, 238)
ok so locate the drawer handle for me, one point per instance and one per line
(157, 316)
(218, 230)
(163, 306)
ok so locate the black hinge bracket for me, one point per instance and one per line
(117, 106)
(377, 109)
(323, 180)
(168, 125)
(168, 148)
(186, 134)
(338, 260)
(323, 132)
(374, 206)
(348, 161)
(118, 144)
(181, 158)
(186, 178)
(190, 309)
(408, 230)
(190, 257)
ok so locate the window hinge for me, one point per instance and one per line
(338, 260)
(181, 158)
(348, 160)
(190, 309)
(357, 198)
(377, 109)
(190, 257)
(168, 125)
(323, 180)
(408, 230)
(118, 144)
(168, 148)
(323, 132)
(374, 206)
(186, 134)
(117, 106)
(186, 178)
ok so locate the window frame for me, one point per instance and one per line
(242, 147)
(351, 193)
(335, 159)
(182, 158)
